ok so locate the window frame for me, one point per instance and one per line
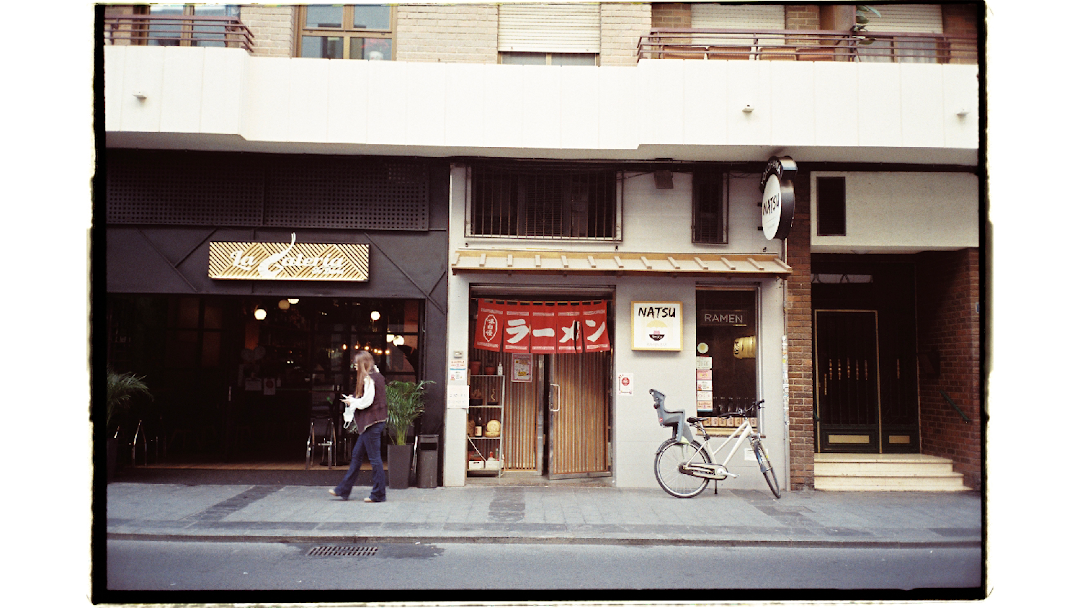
(346, 32)
(516, 219)
(836, 208)
(548, 57)
(696, 219)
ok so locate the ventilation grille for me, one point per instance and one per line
(342, 551)
(215, 189)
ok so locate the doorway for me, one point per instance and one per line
(557, 415)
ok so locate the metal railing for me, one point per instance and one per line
(807, 45)
(180, 30)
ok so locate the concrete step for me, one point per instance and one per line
(885, 473)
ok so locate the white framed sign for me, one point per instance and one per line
(656, 326)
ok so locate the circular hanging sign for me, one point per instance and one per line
(778, 198)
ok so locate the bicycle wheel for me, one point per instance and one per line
(310, 446)
(766, 467)
(666, 467)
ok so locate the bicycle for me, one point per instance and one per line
(683, 466)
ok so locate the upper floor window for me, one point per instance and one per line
(549, 34)
(535, 201)
(179, 29)
(347, 31)
(710, 207)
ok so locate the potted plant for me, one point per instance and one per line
(120, 390)
(404, 404)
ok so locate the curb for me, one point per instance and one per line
(530, 540)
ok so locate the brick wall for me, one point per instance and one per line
(802, 17)
(961, 20)
(273, 29)
(948, 292)
(797, 312)
(621, 25)
(456, 33)
(671, 15)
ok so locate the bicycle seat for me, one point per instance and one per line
(676, 419)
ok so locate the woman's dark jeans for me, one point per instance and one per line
(369, 442)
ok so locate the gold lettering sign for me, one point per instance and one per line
(289, 261)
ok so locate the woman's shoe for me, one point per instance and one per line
(333, 493)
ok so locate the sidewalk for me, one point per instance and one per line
(485, 513)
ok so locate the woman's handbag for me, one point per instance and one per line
(353, 403)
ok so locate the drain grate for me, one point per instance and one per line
(342, 551)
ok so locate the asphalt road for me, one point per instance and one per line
(164, 567)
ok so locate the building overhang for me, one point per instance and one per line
(615, 263)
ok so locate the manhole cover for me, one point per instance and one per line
(342, 551)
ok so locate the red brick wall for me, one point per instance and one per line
(948, 297)
(800, 342)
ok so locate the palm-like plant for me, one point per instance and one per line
(404, 404)
(121, 388)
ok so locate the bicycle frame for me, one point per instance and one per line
(718, 470)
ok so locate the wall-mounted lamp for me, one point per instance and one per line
(748, 109)
(260, 314)
(962, 112)
(139, 95)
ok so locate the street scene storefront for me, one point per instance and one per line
(553, 349)
(241, 290)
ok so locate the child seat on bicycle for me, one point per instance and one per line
(676, 419)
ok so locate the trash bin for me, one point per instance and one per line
(427, 465)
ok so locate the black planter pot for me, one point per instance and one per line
(399, 459)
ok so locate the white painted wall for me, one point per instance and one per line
(686, 109)
(653, 220)
(902, 212)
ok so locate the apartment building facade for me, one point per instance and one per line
(553, 208)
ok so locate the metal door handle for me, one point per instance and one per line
(557, 400)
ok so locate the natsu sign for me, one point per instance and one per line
(545, 328)
(290, 261)
(656, 325)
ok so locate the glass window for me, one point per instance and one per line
(347, 31)
(181, 29)
(535, 201)
(831, 206)
(710, 206)
(726, 350)
(510, 58)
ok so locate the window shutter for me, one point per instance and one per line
(906, 18)
(549, 28)
(737, 16)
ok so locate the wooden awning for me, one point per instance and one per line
(616, 263)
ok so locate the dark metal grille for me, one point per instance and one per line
(539, 202)
(217, 189)
(710, 209)
(342, 551)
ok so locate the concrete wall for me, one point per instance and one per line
(660, 108)
(902, 212)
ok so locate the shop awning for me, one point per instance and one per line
(616, 263)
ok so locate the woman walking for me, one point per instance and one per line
(370, 423)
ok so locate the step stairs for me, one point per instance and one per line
(886, 473)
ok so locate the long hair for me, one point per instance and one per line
(364, 364)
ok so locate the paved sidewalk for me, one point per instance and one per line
(276, 512)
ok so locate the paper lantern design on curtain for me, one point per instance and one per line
(542, 328)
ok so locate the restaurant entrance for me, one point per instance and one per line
(557, 415)
(234, 379)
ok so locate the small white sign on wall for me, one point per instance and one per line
(656, 325)
(626, 384)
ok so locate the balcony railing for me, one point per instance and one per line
(180, 30)
(807, 45)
